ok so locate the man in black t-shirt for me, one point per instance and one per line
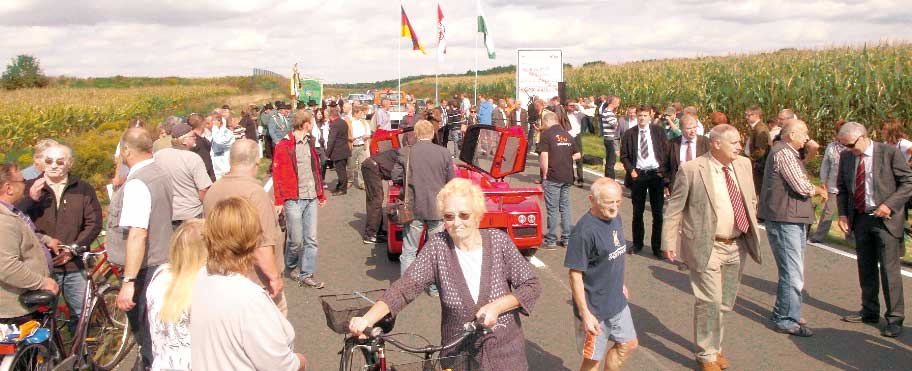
(595, 257)
(557, 150)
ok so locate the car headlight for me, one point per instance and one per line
(531, 218)
(522, 219)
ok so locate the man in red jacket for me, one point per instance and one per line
(298, 191)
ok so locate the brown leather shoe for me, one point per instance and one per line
(721, 361)
(709, 366)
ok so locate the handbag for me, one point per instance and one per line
(400, 211)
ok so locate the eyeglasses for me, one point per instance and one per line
(852, 145)
(51, 161)
(452, 216)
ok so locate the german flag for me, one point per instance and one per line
(408, 31)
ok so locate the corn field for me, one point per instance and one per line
(28, 114)
(867, 84)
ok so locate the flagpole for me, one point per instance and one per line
(399, 64)
(476, 68)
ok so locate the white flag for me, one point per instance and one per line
(441, 35)
(483, 28)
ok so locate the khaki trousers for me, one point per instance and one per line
(715, 290)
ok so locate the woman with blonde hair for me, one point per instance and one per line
(481, 276)
(169, 295)
(236, 325)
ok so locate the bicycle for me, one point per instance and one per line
(370, 354)
(102, 337)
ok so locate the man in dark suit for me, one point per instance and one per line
(644, 152)
(758, 143)
(337, 149)
(874, 184)
(519, 116)
(429, 168)
(684, 148)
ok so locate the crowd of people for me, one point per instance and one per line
(204, 248)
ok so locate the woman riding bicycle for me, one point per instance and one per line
(479, 273)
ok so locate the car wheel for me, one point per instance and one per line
(529, 252)
(393, 257)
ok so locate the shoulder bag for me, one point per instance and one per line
(400, 211)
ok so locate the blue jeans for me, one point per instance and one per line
(412, 238)
(301, 223)
(787, 240)
(557, 199)
(73, 285)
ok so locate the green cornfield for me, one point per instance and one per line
(866, 84)
(28, 114)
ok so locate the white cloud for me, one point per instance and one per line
(354, 41)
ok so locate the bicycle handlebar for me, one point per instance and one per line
(78, 250)
(468, 329)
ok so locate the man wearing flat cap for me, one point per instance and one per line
(186, 173)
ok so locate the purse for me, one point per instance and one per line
(400, 211)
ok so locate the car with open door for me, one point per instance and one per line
(488, 155)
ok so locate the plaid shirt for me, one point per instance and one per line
(788, 163)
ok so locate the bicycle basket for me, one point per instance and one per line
(463, 362)
(339, 309)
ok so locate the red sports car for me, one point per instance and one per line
(487, 156)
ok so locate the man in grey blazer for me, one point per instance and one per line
(874, 184)
(431, 167)
(713, 244)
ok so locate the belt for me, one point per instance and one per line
(647, 171)
(357, 145)
(727, 241)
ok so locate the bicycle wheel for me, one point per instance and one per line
(108, 338)
(32, 357)
(357, 359)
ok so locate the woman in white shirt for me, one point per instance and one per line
(222, 139)
(570, 120)
(168, 297)
(894, 134)
(360, 141)
(235, 324)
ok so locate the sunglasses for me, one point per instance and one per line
(51, 161)
(452, 216)
(852, 145)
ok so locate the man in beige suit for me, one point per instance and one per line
(713, 244)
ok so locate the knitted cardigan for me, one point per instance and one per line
(504, 271)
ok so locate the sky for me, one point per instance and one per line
(357, 41)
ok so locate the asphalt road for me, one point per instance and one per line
(660, 300)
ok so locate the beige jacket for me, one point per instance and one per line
(688, 225)
(23, 265)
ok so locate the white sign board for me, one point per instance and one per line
(537, 73)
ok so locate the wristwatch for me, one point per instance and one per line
(128, 279)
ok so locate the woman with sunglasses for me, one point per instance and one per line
(480, 275)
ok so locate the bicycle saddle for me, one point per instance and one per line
(38, 298)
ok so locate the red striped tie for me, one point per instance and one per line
(860, 185)
(737, 202)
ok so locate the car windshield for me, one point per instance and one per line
(393, 97)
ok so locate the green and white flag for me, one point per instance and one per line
(483, 28)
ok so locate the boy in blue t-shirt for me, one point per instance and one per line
(595, 257)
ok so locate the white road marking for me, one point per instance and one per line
(818, 245)
(537, 263)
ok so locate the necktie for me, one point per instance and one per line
(644, 146)
(860, 185)
(689, 154)
(737, 201)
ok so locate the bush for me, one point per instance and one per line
(23, 71)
